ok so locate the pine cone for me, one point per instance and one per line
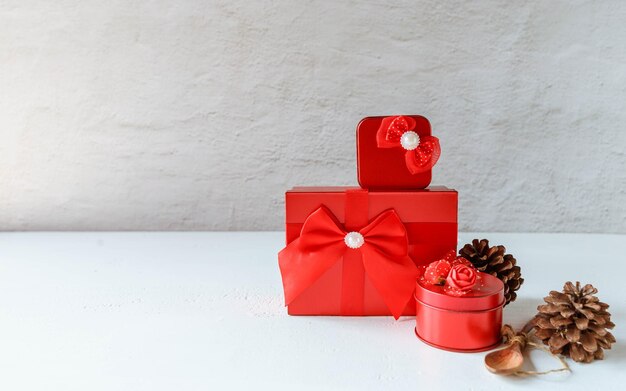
(494, 261)
(574, 323)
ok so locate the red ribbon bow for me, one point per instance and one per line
(322, 243)
(421, 157)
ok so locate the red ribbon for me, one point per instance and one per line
(383, 254)
(418, 160)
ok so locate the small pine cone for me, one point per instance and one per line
(574, 323)
(494, 261)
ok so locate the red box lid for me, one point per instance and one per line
(434, 204)
(487, 294)
(385, 168)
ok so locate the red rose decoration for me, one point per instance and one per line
(461, 278)
(457, 274)
(436, 272)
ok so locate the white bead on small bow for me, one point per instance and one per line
(409, 140)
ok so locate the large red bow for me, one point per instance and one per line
(421, 155)
(323, 242)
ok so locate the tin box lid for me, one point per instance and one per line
(341, 189)
(488, 293)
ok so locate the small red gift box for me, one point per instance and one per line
(395, 152)
(466, 323)
(354, 252)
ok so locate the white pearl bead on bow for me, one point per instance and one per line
(354, 240)
(409, 140)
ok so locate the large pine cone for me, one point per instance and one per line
(574, 323)
(494, 261)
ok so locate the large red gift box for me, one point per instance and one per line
(396, 152)
(401, 230)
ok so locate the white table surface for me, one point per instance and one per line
(199, 311)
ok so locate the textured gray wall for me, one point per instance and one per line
(198, 114)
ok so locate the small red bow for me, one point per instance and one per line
(423, 157)
(322, 243)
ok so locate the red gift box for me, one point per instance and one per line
(467, 323)
(398, 231)
(395, 152)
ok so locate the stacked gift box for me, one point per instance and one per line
(361, 251)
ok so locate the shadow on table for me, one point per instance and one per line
(617, 353)
(520, 311)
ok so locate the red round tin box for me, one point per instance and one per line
(468, 323)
